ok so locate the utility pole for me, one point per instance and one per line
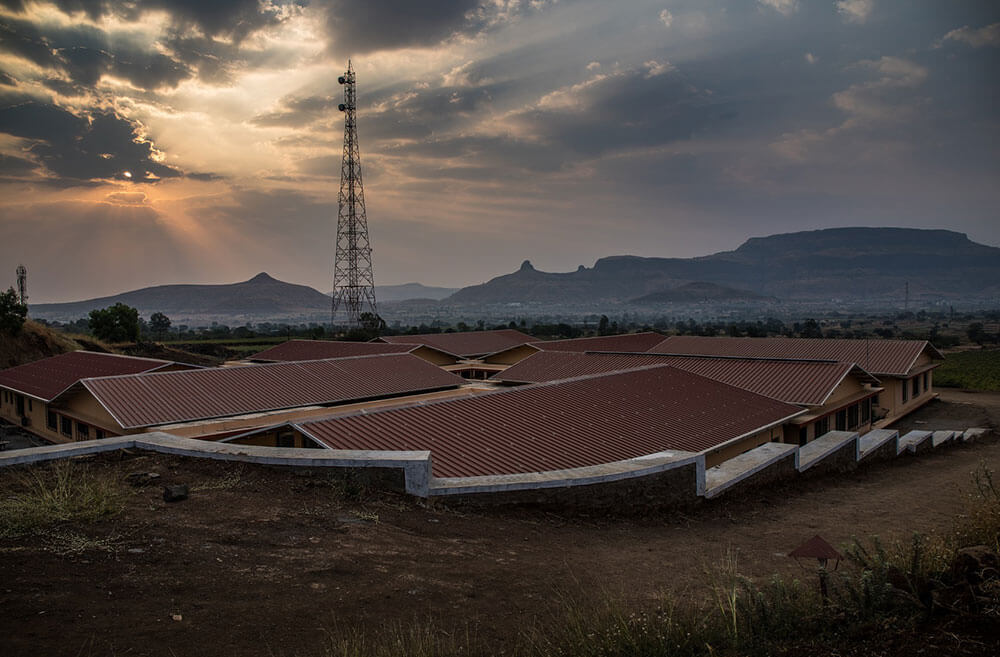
(353, 276)
(22, 285)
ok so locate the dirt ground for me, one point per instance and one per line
(265, 562)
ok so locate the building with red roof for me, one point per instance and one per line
(294, 350)
(214, 402)
(836, 396)
(574, 423)
(904, 367)
(467, 344)
(27, 391)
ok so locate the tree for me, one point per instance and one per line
(811, 329)
(975, 332)
(159, 324)
(12, 313)
(117, 323)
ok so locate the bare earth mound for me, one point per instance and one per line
(265, 562)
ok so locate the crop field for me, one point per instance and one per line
(972, 370)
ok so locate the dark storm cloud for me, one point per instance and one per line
(83, 148)
(86, 54)
(235, 19)
(15, 166)
(361, 26)
(216, 61)
(481, 154)
(298, 112)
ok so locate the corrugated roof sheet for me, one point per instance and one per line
(880, 357)
(808, 383)
(152, 399)
(637, 342)
(321, 349)
(468, 344)
(569, 424)
(45, 379)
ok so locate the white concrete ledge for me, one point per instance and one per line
(939, 438)
(416, 466)
(596, 474)
(873, 440)
(973, 433)
(729, 473)
(913, 442)
(827, 445)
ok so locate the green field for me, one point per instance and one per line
(973, 370)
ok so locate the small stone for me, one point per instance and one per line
(135, 550)
(433, 520)
(175, 493)
(177, 617)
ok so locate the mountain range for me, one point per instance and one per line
(872, 265)
(852, 263)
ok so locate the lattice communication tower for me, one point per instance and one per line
(353, 276)
(22, 285)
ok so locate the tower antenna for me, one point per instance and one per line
(353, 276)
(22, 285)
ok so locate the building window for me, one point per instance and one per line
(99, 434)
(841, 420)
(916, 386)
(822, 426)
(926, 377)
(286, 439)
(906, 391)
(30, 407)
(51, 422)
(852, 417)
(82, 431)
(803, 435)
(866, 411)
(66, 426)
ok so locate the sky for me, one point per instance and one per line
(181, 141)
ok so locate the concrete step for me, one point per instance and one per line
(939, 438)
(880, 443)
(915, 442)
(768, 462)
(836, 450)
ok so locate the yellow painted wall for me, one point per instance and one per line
(270, 439)
(511, 356)
(433, 356)
(81, 411)
(730, 450)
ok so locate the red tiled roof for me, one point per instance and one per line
(321, 349)
(568, 424)
(880, 357)
(637, 342)
(45, 379)
(152, 399)
(468, 344)
(808, 383)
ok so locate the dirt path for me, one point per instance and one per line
(260, 562)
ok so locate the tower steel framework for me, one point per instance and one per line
(353, 276)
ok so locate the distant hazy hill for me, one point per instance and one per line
(259, 299)
(408, 291)
(869, 263)
(695, 292)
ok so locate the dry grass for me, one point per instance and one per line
(36, 499)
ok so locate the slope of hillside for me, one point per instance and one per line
(695, 292)
(34, 342)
